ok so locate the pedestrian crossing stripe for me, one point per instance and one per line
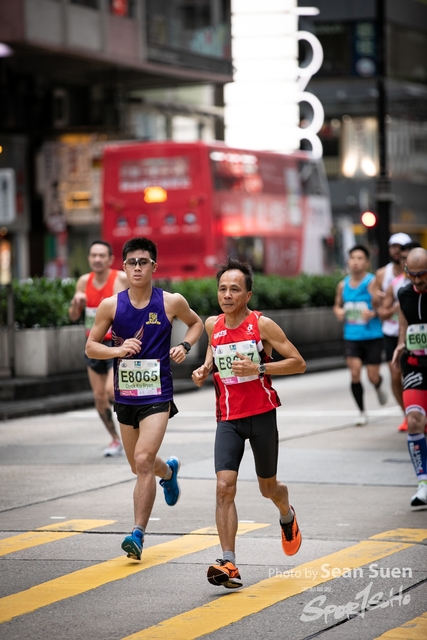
(49, 533)
(90, 578)
(402, 535)
(225, 611)
(415, 629)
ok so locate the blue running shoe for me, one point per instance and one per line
(171, 487)
(132, 545)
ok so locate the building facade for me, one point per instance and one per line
(348, 85)
(77, 73)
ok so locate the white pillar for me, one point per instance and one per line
(261, 105)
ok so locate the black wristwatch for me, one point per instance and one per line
(261, 369)
(186, 345)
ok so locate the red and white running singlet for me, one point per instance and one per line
(249, 395)
(94, 297)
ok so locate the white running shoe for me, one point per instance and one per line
(114, 449)
(361, 420)
(381, 394)
(420, 498)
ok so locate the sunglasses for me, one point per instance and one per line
(141, 262)
(415, 274)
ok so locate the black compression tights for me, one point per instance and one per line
(357, 391)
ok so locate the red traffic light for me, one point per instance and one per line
(368, 219)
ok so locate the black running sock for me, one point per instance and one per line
(357, 391)
(377, 386)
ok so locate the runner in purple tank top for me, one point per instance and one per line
(141, 318)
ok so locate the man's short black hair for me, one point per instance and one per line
(105, 243)
(360, 247)
(140, 244)
(411, 245)
(244, 267)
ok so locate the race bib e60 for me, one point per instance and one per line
(416, 339)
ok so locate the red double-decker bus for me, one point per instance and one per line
(201, 202)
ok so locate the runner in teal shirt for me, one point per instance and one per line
(363, 337)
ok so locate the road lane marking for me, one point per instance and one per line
(415, 629)
(90, 578)
(49, 533)
(224, 611)
(402, 535)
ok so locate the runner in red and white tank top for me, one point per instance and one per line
(91, 288)
(94, 297)
(238, 397)
(241, 343)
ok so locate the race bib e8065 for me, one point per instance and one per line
(139, 378)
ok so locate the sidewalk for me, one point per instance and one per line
(20, 397)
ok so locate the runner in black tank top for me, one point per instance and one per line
(412, 351)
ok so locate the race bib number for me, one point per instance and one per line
(90, 313)
(416, 339)
(139, 378)
(226, 353)
(353, 312)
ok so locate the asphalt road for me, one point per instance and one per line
(361, 572)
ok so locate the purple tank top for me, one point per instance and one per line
(145, 377)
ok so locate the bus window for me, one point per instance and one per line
(238, 172)
(247, 249)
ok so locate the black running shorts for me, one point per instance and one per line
(100, 366)
(133, 414)
(261, 431)
(369, 351)
(414, 372)
(390, 344)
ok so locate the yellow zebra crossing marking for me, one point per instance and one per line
(402, 535)
(49, 533)
(415, 629)
(84, 580)
(225, 611)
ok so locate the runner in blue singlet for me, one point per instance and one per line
(363, 337)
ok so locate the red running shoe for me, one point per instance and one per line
(403, 426)
(291, 536)
(224, 574)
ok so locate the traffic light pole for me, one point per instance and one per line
(383, 192)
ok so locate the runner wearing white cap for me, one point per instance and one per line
(383, 278)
